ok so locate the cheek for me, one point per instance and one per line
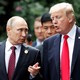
(13, 37)
(16, 36)
(62, 23)
(36, 32)
(53, 31)
(11, 34)
(46, 33)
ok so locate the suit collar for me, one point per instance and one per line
(2, 60)
(22, 58)
(56, 52)
(20, 63)
(76, 48)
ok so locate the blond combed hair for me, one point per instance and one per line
(66, 6)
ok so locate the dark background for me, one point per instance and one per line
(29, 10)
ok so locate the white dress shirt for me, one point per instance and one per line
(38, 42)
(71, 41)
(8, 53)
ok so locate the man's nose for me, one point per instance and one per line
(54, 21)
(49, 31)
(24, 34)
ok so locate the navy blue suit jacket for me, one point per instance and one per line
(40, 47)
(51, 58)
(21, 70)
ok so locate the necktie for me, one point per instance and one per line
(11, 65)
(65, 68)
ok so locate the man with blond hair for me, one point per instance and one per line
(61, 53)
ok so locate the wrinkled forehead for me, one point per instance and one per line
(20, 24)
(58, 13)
(20, 21)
(16, 20)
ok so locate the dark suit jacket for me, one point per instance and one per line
(40, 47)
(51, 58)
(21, 71)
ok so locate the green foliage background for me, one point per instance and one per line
(30, 9)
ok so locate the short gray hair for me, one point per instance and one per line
(12, 20)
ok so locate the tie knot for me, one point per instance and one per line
(66, 36)
(13, 47)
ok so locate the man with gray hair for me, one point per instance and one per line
(15, 58)
(61, 53)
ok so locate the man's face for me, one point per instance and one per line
(38, 31)
(17, 33)
(61, 21)
(48, 29)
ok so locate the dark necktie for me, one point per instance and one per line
(65, 68)
(11, 65)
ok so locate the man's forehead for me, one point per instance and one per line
(21, 26)
(26, 28)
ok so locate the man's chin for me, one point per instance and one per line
(23, 41)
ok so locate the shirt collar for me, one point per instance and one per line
(72, 32)
(39, 42)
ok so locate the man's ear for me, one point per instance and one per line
(70, 17)
(8, 29)
(70, 20)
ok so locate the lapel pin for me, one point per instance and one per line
(79, 37)
(26, 51)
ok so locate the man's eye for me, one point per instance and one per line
(26, 30)
(58, 17)
(45, 28)
(19, 29)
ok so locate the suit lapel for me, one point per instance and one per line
(57, 52)
(2, 61)
(76, 48)
(22, 58)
